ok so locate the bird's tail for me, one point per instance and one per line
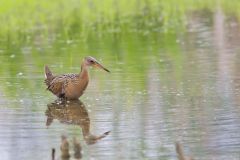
(48, 75)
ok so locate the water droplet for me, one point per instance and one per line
(69, 41)
(12, 56)
(20, 73)
(139, 92)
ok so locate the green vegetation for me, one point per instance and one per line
(60, 32)
(174, 74)
(26, 18)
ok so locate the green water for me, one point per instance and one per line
(180, 85)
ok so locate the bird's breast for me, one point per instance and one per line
(75, 88)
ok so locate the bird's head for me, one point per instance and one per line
(90, 61)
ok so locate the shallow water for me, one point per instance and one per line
(163, 88)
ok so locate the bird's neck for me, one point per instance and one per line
(84, 71)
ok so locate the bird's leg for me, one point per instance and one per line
(62, 95)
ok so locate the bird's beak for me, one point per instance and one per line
(98, 65)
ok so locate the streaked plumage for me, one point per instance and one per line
(73, 112)
(71, 86)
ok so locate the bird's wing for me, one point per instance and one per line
(57, 85)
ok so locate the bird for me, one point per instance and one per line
(73, 112)
(71, 86)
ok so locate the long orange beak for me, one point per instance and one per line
(101, 67)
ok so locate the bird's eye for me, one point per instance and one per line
(91, 61)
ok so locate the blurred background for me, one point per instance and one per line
(174, 76)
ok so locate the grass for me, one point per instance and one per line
(23, 18)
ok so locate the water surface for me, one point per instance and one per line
(164, 87)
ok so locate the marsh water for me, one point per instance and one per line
(164, 87)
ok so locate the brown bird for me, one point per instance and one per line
(71, 86)
(73, 112)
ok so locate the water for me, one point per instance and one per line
(163, 88)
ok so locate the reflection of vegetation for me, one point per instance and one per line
(125, 34)
(65, 149)
(180, 152)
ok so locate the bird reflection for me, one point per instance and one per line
(72, 112)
